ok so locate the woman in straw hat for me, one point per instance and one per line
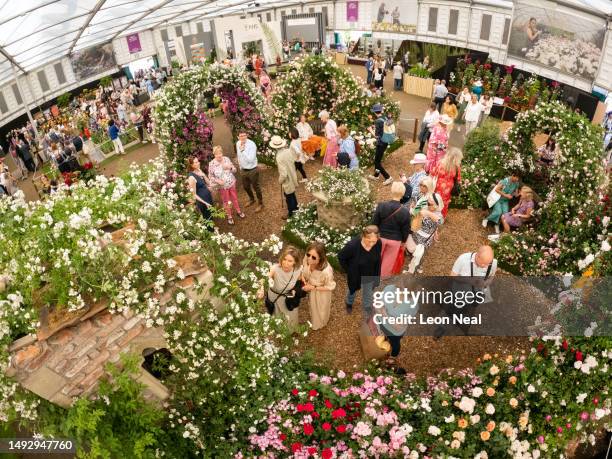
(438, 143)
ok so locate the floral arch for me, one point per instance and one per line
(570, 222)
(181, 122)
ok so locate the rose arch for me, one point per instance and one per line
(568, 221)
(180, 114)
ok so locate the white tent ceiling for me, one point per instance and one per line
(34, 32)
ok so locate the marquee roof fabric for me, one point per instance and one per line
(34, 32)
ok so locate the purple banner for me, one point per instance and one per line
(352, 11)
(133, 42)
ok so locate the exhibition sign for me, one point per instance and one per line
(93, 61)
(395, 16)
(133, 41)
(352, 11)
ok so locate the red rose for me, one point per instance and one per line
(339, 413)
(540, 347)
(295, 447)
(308, 429)
(294, 391)
(579, 356)
(341, 428)
(564, 345)
(313, 393)
(595, 400)
(327, 453)
(315, 415)
(309, 407)
(282, 437)
(326, 426)
(312, 450)
(328, 404)
(300, 407)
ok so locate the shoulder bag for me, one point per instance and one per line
(271, 305)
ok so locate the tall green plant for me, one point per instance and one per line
(64, 100)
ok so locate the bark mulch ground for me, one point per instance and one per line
(338, 343)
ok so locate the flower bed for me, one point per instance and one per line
(511, 407)
(570, 222)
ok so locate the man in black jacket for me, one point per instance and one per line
(360, 259)
(381, 147)
(26, 156)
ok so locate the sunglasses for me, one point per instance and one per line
(314, 257)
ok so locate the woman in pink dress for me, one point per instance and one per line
(447, 171)
(265, 84)
(438, 143)
(221, 173)
(331, 134)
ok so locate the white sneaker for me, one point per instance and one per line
(373, 177)
(497, 229)
(484, 222)
(389, 181)
(145, 141)
(304, 180)
(493, 237)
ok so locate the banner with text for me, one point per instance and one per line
(352, 11)
(133, 42)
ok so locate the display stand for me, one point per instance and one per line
(422, 87)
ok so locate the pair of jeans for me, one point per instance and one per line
(369, 80)
(250, 183)
(381, 147)
(397, 84)
(292, 204)
(367, 297)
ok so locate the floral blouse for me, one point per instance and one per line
(217, 172)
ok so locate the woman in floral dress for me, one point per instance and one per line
(331, 134)
(438, 143)
(221, 173)
(447, 172)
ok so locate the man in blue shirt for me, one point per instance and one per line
(113, 133)
(246, 151)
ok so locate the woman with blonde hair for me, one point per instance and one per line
(448, 176)
(427, 233)
(520, 213)
(283, 276)
(221, 173)
(393, 221)
(318, 278)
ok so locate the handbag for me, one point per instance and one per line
(399, 262)
(456, 188)
(294, 296)
(493, 197)
(271, 305)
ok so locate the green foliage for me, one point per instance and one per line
(419, 71)
(119, 422)
(64, 100)
(175, 64)
(481, 167)
(106, 81)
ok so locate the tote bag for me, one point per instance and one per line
(493, 197)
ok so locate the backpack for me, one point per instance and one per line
(388, 136)
(357, 148)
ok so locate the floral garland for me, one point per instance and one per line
(570, 222)
(315, 83)
(182, 97)
(194, 137)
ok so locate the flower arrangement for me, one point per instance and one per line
(508, 407)
(343, 185)
(181, 97)
(315, 83)
(192, 137)
(573, 215)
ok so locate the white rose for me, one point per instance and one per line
(467, 404)
(433, 430)
(490, 409)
